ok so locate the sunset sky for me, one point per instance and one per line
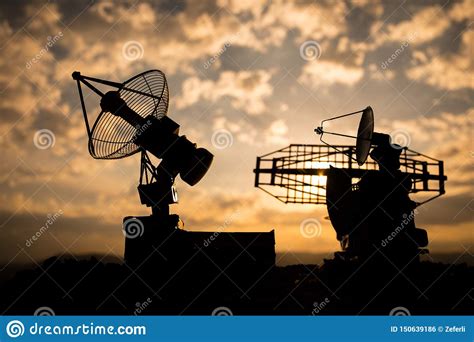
(258, 75)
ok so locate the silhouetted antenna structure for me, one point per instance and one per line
(297, 173)
(364, 137)
(365, 199)
(133, 118)
(112, 136)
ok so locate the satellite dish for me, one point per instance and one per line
(364, 135)
(133, 118)
(112, 136)
(365, 139)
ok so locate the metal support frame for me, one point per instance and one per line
(297, 173)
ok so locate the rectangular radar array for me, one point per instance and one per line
(297, 173)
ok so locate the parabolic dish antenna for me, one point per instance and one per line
(111, 137)
(364, 135)
(133, 118)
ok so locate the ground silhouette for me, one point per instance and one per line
(92, 287)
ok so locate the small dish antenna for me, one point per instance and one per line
(366, 137)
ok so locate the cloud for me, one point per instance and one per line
(451, 72)
(461, 11)
(246, 89)
(140, 17)
(446, 137)
(312, 21)
(426, 25)
(449, 211)
(327, 73)
(277, 133)
(420, 29)
(272, 132)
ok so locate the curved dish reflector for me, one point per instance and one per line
(364, 135)
(111, 136)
